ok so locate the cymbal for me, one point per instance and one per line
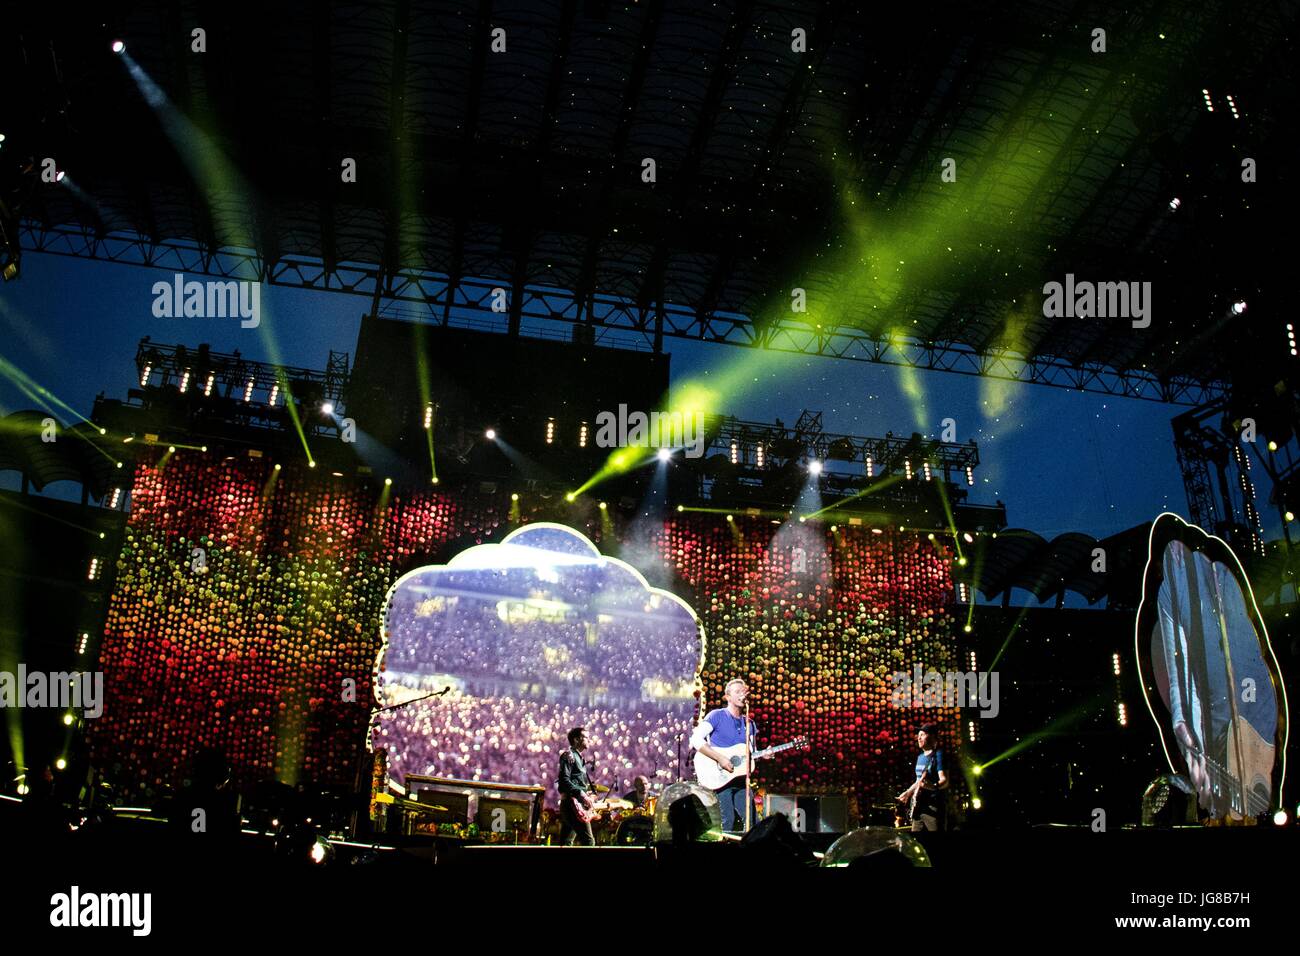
(408, 804)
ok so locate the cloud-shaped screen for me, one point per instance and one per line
(1209, 663)
(535, 635)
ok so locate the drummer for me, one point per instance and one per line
(639, 795)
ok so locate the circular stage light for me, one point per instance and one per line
(327, 408)
(814, 467)
(664, 454)
(491, 434)
(119, 47)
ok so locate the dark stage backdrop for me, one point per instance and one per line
(247, 601)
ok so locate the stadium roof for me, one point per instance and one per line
(775, 169)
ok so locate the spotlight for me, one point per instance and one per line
(966, 536)
(61, 764)
(514, 496)
(327, 408)
(67, 720)
(1279, 818)
(278, 466)
(311, 464)
(388, 481)
(729, 517)
(1290, 516)
(570, 496)
(962, 561)
(976, 803)
(491, 434)
(681, 508)
(119, 47)
(60, 176)
(664, 454)
(1239, 307)
(814, 467)
(603, 506)
(966, 628)
(977, 770)
(1174, 204)
(1272, 446)
(171, 448)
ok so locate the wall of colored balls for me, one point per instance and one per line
(246, 609)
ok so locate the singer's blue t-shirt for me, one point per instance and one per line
(728, 730)
(923, 763)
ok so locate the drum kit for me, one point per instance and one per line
(620, 823)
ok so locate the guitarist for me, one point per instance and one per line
(574, 792)
(926, 794)
(726, 727)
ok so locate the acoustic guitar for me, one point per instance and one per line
(1244, 786)
(710, 775)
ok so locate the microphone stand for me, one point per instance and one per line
(749, 796)
(370, 721)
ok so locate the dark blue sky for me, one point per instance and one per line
(1061, 461)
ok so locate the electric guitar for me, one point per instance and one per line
(904, 818)
(585, 811)
(710, 775)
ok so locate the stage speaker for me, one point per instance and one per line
(772, 839)
(822, 813)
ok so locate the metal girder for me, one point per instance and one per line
(886, 454)
(539, 305)
(157, 365)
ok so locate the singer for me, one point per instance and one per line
(722, 728)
